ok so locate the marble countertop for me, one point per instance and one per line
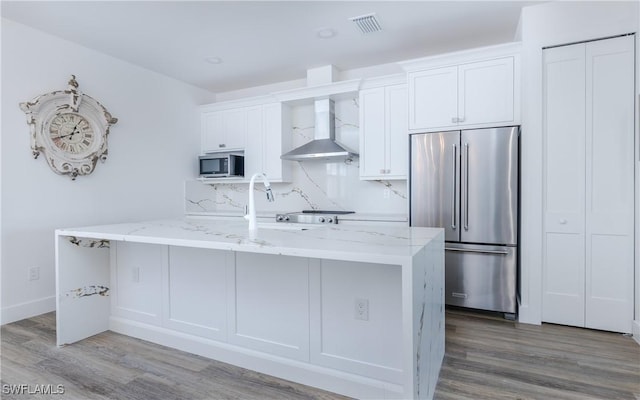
(378, 217)
(366, 243)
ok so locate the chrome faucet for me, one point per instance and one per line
(250, 214)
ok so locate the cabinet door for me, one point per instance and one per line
(253, 155)
(276, 140)
(137, 280)
(433, 98)
(564, 177)
(235, 128)
(212, 131)
(269, 304)
(224, 130)
(397, 132)
(485, 92)
(610, 184)
(372, 133)
(196, 297)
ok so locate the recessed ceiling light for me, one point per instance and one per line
(213, 60)
(325, 33)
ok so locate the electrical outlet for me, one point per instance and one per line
(361, 310)
(135, 274)
(34, 273)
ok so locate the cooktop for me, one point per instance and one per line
(312, 216)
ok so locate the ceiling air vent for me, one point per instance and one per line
(367, 23)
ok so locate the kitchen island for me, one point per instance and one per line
(357, 310)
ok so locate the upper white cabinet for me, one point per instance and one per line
(277, 135)
(471, 89)
(383, 132)
(261, 130)
(433, 98)
(226, 129)
(486, 92)
(588, 184)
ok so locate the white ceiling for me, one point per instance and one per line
(263, 42)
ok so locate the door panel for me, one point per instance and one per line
(489, 186)
(485, 91)
(563, 279)
(435, 185)
(397, 141)
(563, 192)
(610, 183)
(482, 277)
(434, 98)
(372, 136)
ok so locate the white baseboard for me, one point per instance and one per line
(526, 316)
(297, 371)
(636, 331)
(27, 310)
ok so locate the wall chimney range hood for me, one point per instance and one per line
(322, 88)
(323, 147)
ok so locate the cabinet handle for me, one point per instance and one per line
(453, 196)
(454, 119)
(382, 171)
(562, 221)
(500, 252)
(466, 187)
(461, 119)
(222, 145)
(459, 295)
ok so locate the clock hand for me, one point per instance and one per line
(64, 136)
(74, 131)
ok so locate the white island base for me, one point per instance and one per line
(356, 310)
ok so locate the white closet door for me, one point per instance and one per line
(610, 183)
(564, 185)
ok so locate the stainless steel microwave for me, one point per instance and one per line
(221, 165)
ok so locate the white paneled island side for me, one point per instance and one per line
(353, 309)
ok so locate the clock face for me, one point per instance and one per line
(71, 133)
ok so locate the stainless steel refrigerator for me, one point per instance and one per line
(467, 183)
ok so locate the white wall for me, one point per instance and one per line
(152, 151)
(547, 25)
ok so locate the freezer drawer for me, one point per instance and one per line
(482, 277)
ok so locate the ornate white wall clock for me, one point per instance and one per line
(70, 129)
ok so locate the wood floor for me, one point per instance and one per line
(487, 357)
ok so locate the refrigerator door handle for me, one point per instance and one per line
(466, 188)
(454, 176)
(501, 252)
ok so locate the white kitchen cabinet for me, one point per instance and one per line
(383, 132)
(433, 98)
(226, 129)
(275, 140)
(261, 131)
(588, 184)
(137, 275)
(195, 295)
(472, 94)
(269, 303)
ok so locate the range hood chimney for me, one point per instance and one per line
(323, 147)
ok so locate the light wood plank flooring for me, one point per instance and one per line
(486, 358)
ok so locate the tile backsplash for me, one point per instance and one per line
(315, 184)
